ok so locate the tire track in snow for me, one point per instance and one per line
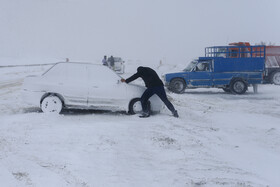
(10, 91)
(195, 137)
(10, 84)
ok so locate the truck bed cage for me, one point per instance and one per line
(257, 51)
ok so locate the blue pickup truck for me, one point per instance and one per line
(232, 68)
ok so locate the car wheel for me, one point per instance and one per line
(177, 85)
(135, 106)
(275, 78)
(51, 104)
(238, 86)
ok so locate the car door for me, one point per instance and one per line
(201, 75)
(76, 84)
(105, 89)
(68, 80)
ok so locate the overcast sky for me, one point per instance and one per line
(149, 30)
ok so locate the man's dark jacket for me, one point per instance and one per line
(149, 76)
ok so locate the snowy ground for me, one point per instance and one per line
(219, 140)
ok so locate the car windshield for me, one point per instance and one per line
(190, 66)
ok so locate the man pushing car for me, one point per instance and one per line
(154, 86)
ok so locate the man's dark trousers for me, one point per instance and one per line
(159, 91)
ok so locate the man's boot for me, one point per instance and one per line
(145, 115)
(175, 114)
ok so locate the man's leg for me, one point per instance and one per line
(144, 100)
(162, 95)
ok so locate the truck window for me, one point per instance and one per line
(190, 66)
(203, 66)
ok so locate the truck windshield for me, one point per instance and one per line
(190, 66)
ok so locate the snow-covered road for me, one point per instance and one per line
(219, 140)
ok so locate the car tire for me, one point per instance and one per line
(177, 85)
(135, 106)
(51, 104)
(238, 86)
(275, 78)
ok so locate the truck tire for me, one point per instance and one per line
(238, 86)
(177, 85)
(275, 78)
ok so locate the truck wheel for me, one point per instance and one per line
(177, 85)
(238, 86)
(135, 106)
(275, 78)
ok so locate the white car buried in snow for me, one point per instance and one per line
(73, 85)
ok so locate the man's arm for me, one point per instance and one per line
(132, 78)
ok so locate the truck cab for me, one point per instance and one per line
(199, 73)
(232, 68)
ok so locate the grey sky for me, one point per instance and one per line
(149, 30)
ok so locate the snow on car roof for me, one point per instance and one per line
(98, 70)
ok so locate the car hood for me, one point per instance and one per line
(136, 91)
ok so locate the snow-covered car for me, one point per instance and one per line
(84, 86)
